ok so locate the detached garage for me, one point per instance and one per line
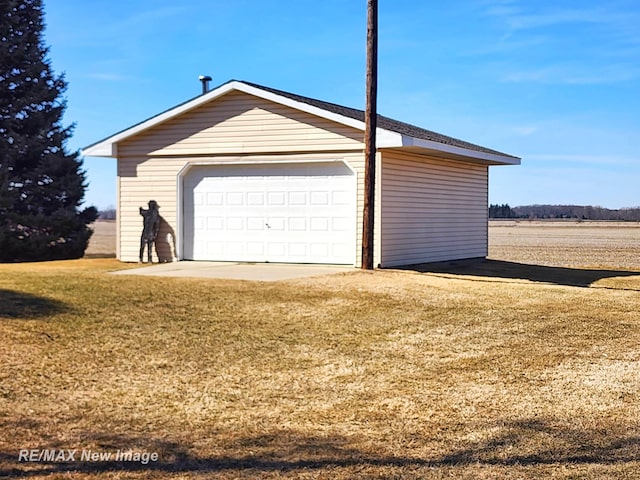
(247, 173)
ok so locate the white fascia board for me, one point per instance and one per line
(304, 107)
(102, 149)
(388, 139)
(408, 141)
(384, 138)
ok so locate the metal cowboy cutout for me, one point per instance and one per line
(151, 225)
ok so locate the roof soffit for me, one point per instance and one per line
(455, 152)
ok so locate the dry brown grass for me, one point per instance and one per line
(493, 370)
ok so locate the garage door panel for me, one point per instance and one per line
(319, 198)
(341, 224)
(255, 249)
(297, 198)
(319, 224)
(340, 197)
(255, 198)
(235, 248)
(214, 198)
(319, 250)
(256, 224)
(216, 248)
(297, 224)
(277, 251)
(276, 198)
(276, 224)
(236, 224)
(235, 198)
(298, 250)
(279, 213)
(215, 224)
(339, 249)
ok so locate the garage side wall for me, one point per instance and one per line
(141, 180)
(431, 210)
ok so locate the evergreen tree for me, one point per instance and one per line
(501, 211)
(41, 185)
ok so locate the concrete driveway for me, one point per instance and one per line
(262, 272)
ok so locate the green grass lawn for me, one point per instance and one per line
(357, 375)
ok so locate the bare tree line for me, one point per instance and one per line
(578, 212)
(108, 213)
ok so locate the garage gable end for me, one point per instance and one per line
(241, 123)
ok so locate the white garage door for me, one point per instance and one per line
(297, 213)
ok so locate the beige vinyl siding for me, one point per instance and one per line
(239, 123)
(431, 209)
(357, 161)
(141, 179)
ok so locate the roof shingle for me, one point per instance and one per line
(383, 122)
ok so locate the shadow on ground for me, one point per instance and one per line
(575, 277)
(24, 305)
(523, 443)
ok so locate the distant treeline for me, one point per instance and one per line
(107, 214)
(578, 212)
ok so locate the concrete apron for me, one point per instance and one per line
(260, 272)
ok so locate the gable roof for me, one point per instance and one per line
(390, 133)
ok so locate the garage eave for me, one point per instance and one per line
(101, 149)
(388, 139)
(456, 152)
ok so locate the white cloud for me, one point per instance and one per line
(586, 160)
(574, 74)
(516, 18)
(541, 42)
(524, 130)
(107, 77)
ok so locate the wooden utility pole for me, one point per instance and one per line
(368, 216)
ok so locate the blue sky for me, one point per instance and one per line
(554, 82)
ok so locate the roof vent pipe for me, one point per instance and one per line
(205, 79)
